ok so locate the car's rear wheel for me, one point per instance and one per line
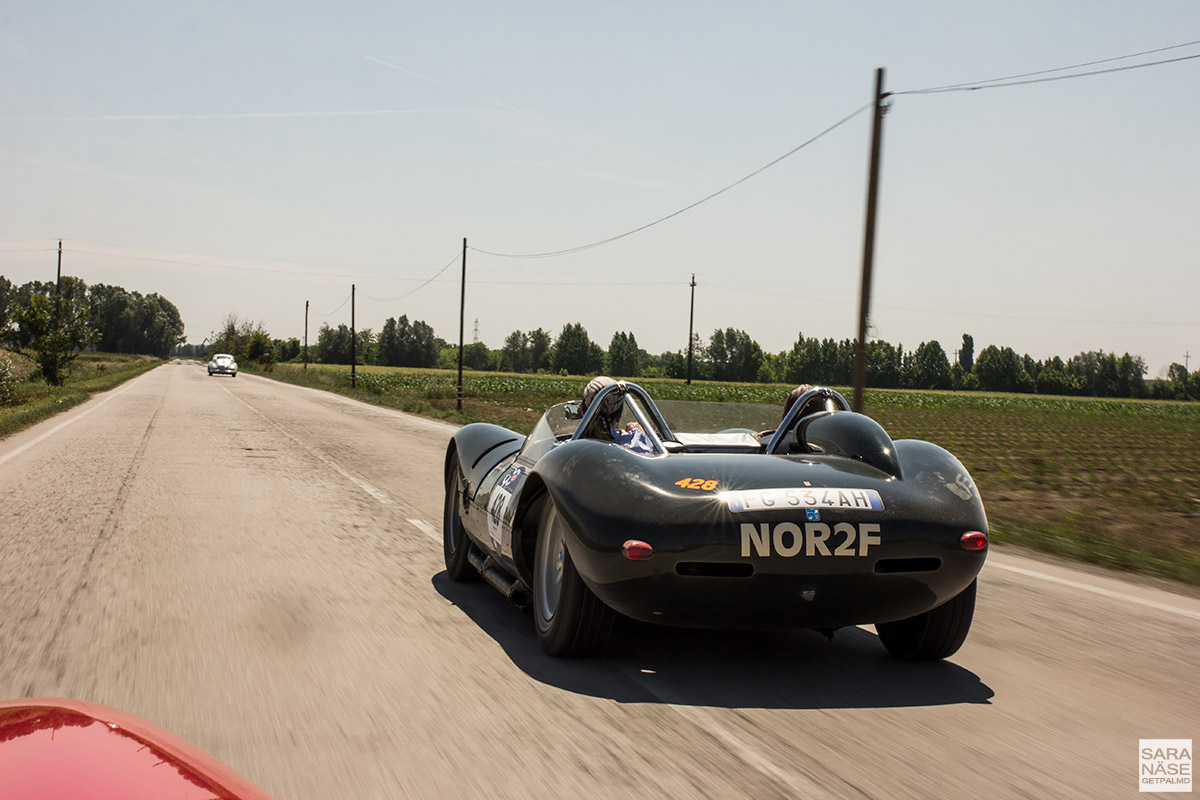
(935, 634)
(569, 618)
(456, 545)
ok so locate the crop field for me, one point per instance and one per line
(1113, 482)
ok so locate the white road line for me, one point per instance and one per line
(427, 529)
(42, 437)
(1126, 598)
(357, 481)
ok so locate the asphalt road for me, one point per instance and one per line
(258, 568)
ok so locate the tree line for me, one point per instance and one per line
(732, 355)
(55, 321)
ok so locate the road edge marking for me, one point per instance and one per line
(1128, 598)
(427, 529)
(44, 436)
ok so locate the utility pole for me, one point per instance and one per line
(691, 319)
(353, 342)
(58, 289)
(462, 313)
(864, 300)
(1186, 356)
(306, 334)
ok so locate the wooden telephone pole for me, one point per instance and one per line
(462, 311)
(691, 317)
(864, 298)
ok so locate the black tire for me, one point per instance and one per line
(456, 545)
(936, 634)
(570, 619)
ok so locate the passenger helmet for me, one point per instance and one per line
(612, 401)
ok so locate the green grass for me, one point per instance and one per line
(35, 401)
(1112, 482)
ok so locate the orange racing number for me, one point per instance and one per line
(698, 483)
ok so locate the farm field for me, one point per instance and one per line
(1112, 482)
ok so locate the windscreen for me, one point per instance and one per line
(693, 416)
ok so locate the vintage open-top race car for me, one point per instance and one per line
(823, 523)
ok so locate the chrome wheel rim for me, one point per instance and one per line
(552, 553)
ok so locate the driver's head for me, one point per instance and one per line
(793, 396)
(611, 407)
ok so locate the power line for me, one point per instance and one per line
(641, 228)
(1055, 69)
(452, 260)
(575, 283)
(942, 311)
(977, 87)
(339, 308)
(237, 268)
(117, 246)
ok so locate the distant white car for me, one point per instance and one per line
(223, 364)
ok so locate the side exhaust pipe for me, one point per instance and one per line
(512, 588)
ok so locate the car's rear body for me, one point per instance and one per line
(739, 538)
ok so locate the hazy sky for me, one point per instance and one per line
(245, 157)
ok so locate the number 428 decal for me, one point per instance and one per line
(698, 483)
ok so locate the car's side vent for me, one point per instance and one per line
(714, 569)
(886, 565)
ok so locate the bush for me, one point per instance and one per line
(8, 380)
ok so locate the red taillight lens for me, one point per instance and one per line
(973, 540)
(635, 550)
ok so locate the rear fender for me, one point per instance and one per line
(944, 481)
(480, 447)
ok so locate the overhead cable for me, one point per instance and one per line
(985, 85)
(339, 308)
(1055, 69)
(117, 246)
(641, 228)
(237, 267)
(417, 289)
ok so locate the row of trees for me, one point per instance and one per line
(398, 344)
(55, 321)
(731, 354)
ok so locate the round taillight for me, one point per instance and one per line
(636, 550)
(973, 540)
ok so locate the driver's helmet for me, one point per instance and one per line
(793, 396)
(820, 403)
(611, 408)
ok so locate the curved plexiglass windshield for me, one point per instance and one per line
(693, 416)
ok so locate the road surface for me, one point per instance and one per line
(257, 567)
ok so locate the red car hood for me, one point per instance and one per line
(52, 749)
